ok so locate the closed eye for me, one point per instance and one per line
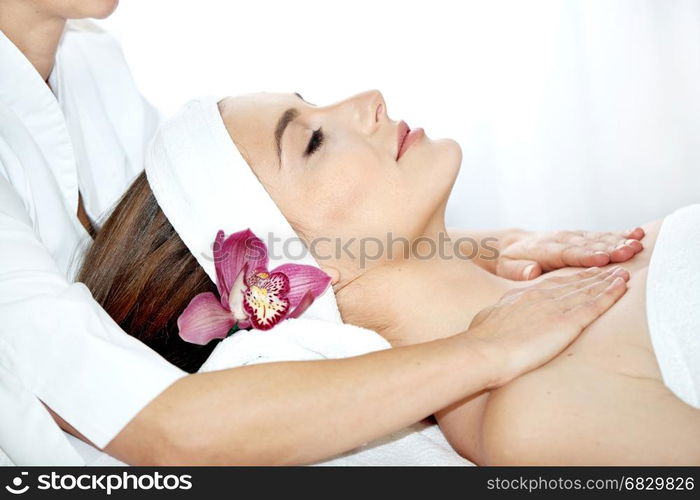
(315, 142)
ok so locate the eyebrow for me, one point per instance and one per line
(286, 118)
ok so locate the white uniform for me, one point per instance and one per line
(57, 345)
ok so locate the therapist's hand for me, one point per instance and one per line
(524, 255)
(531, 325)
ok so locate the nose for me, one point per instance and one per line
(367, 110)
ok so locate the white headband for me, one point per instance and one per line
(203, 185)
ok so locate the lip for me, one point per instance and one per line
(406, 137)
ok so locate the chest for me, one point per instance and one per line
(619, 339)
(613, 350)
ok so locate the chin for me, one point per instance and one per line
(449, 157)
(95, 9)
(452, 149)
(105, 8)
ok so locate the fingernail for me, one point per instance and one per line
(619, 272)
(528, 270)
(629, 242)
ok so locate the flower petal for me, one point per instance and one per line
(306, 301)
(204, 319)
(264, 299)
(235, 298)
(303, 279)
(231, 254)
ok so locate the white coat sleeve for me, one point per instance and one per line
(60, 345)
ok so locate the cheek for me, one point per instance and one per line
(351, 185)
(361, 194)
(343, 201)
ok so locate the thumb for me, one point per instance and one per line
(518, 269)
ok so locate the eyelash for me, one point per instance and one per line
(316, 142)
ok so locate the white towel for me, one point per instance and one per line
(294, 339)
(673, 303)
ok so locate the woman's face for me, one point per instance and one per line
(336, 172)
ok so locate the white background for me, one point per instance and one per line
(571, 114)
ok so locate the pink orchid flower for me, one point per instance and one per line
(250, 295)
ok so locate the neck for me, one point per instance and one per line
(34, 33)
(420, 299)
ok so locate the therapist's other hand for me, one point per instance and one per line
(531, 325)
(524, 255)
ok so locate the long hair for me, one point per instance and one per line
(139, 270)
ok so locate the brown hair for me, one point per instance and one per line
(144, 276)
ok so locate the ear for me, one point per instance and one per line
(333, 273)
